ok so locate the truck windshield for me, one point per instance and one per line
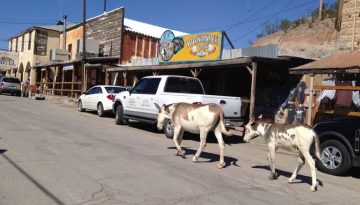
(183, 85)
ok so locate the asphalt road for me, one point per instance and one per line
(53, 154)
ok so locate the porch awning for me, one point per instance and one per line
(342, 62)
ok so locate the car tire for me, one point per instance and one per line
(80, 106)
(168, 129)
(335, 156)
(119, 116)
(100, 110)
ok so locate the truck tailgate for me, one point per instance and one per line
(230, 105)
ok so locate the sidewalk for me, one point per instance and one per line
(67, 101)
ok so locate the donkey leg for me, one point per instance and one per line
(311, 163)
(203, 135)
(177, 132)
(180, 137)
(271, 159)
(301, 162)
(220, 140)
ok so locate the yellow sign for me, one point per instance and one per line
(197, 47)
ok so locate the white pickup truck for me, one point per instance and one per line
(139, 102)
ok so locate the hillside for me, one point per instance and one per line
(310, 40)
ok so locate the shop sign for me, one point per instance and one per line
(68, 67)
(197, 47)
(8, 59)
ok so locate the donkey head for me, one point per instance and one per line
(162, 114)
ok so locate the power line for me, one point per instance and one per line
(274, 14)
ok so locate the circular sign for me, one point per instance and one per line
(166, 46)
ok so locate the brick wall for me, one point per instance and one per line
(348, 38)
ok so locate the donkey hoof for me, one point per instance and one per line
(182, 154)
(221, 165)
(290, 181)
(273, 176)
(194, 159)
(313, 189)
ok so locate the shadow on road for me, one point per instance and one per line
(210, 156)
(299, 179)
(31, 179)
(229, 140)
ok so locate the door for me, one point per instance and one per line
(87, 98)
(142, 98)
(95, 98)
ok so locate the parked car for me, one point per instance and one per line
(339, 145)
(99, 98)
(139, 102)
(10, 85)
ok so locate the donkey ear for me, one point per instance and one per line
(157, 106)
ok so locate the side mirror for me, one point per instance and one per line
(84, 93)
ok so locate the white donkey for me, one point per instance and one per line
(194, 118)
(288, 136)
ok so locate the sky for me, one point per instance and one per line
(242, 20)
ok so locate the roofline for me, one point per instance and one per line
(30, 29)
(91, 19)
(242, 61)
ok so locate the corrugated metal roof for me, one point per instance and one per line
(148, 29)
(338, 62)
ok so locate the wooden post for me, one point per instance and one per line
(253, 72)
(195, 73)
(54, 79)
(72, 82)
(309, 114)
(62, 82)
(106, 77)
(125, 78)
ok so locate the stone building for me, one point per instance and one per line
(349, 24)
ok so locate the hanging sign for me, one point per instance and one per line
(197, 47)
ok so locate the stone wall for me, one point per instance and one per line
(107, 29)
(350, 26)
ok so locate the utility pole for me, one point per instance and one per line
(83, 61)
(104, 6)
(64, 32)
(320, 9)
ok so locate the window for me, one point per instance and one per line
(29, 43)
(114, 89)
(147, 86)
(97, 90)
(51, 53)
(40, 43)
(11, 48)
(183, 85)
(11, 80)
(91, 91)
(70, 50)
(22, 43)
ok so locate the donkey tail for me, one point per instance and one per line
(223, 128)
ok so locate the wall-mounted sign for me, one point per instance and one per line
(197, 47)
(8, 60)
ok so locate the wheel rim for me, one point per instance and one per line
(331, 157)
(169, 128)
(99, 109)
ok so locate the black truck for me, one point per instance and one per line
(339, 145)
